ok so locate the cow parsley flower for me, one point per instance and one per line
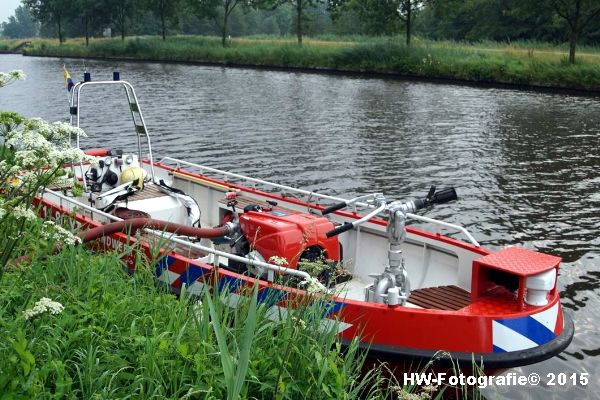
(44, 305)
(21, 211)
(280, 261)
(55, 232)
(312, 285)
(10, 77)
(298, 322)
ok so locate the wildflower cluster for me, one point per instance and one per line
(21, 211)
(31, 157)
(313, 286)
(280, 261)
(33, 153)
(426, 392)
(7, 78)
(44, 305)
(57, 233)
(36, 143)
(298, 322)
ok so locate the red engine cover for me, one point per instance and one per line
(287, 234)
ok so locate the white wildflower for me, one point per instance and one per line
(17, 74)
(39, 148)
(312, 285)
(280, 261)
(24, 212)
(51, 231)
(44, 305)
(197, 310)
(8, 169)
(12, 76)
(299, 322)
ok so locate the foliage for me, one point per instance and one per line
(20, 25)
(376, 17)
(31, 158)
(122, 13)
(6, 78)
(527, 63)
(550, 20)
(91, 13)
(165, 10)
(578, 14)
(299, 6)
(117, 336)
(50, 11)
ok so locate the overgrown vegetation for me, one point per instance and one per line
(527, 64)
(120, 337)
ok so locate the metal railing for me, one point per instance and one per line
(310, 194)
(170, 237)
(134, 107)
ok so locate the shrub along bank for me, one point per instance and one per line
(529, 65)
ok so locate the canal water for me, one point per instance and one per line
(526, 165)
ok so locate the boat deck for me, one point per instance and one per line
(448, 298)
(148, 192)
(243, 201)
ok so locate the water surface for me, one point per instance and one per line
(526, 165)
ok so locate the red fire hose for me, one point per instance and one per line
(132, 225)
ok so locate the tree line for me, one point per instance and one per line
(556, 21)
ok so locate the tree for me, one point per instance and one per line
(165, 10)
(20, 25)
(578, 14)
(299, 7)
(92, 14)
(121, 13)
(406, 10)
(50, 11)
(381, 17)
(208, 9)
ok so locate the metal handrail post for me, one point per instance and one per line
(245, 260)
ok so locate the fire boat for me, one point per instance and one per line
(405, 293)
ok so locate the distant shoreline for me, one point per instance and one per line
(367, 60)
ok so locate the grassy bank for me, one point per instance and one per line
(526, 64)
(118, 336)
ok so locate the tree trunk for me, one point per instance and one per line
(408, 20)
(299, 21)
(87, 31)
(162, 21)
(60, 35)
(224, 27)
(573, 38)
(574, 24)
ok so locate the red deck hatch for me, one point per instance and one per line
(511, 265)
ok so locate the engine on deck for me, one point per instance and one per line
(287, 234)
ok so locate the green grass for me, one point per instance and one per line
(121, 337)
(522, 63)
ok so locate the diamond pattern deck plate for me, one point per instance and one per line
(497, 302)
(519, 261)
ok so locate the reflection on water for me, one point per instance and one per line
(526, 165)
